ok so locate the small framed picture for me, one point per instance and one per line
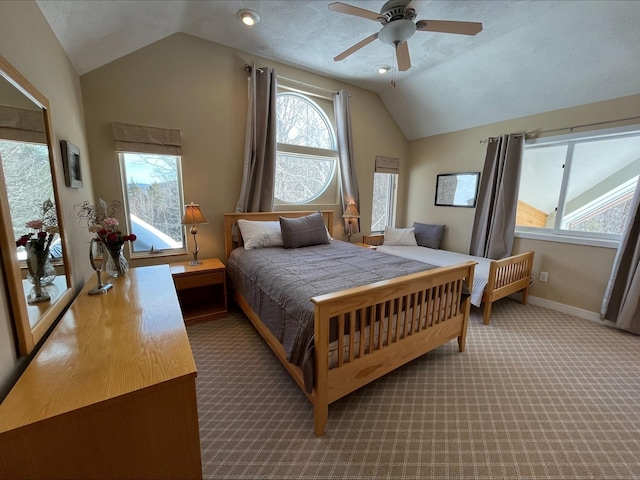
(71, 164)
(457, 189)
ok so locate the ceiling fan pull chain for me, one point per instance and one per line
(393, 68)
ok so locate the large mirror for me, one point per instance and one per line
(34, 253)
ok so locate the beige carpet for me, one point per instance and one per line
(537, 394)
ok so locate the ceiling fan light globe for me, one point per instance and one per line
(396, 32)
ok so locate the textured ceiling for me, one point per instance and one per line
(531, 57)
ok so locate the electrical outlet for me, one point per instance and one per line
(544, 276)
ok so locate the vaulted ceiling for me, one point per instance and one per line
(530, 57)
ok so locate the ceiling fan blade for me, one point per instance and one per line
(402, 54)
(356, 47)
(350, 10)
(447, 26)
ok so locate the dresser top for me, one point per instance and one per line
(105, 346)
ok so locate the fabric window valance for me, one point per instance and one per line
(142, 139)
(387, 165)
(22, 125)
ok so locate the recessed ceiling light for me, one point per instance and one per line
(383, 69)
(248, 17)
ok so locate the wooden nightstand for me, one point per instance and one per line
(202, 290)
(373, 239)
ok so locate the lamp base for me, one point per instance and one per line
(195, 262)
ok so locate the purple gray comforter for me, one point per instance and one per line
(278, 284)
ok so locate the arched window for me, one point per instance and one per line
(307, 153)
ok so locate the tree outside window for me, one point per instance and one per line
(306, 155)
(153, 185)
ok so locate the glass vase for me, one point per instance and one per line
(37, 260)
(117, 265)
(47, 274)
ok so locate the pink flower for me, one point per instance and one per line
(35, 224)
(111, 222)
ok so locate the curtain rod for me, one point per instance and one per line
(308, 85)
(295, 83)
(536, 133)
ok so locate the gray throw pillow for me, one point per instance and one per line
(428, 235)
(303, 231)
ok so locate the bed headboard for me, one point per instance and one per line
(231, 219)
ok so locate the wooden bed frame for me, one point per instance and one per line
(506, 276)
(415, 314)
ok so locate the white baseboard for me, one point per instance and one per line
(568, 309)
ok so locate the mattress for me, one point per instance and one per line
(444, 258)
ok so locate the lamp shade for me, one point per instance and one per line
(351, 211)
(193, 215)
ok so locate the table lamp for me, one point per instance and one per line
(350, 213)
(193, 216)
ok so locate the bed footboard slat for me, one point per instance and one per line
(507, 276)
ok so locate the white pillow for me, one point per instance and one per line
(400, 236)
(260, 234)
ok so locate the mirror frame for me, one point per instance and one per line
(27, 336)
(446, 198)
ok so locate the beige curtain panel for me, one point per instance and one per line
(22, 125)
(387, 165)
(142, 139)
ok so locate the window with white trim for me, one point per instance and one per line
(385, 186)
(579, 185)
(306, 159)
(153, 202)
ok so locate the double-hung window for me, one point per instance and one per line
(578, 188)
(306, 160)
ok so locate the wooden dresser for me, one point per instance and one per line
(111, 393)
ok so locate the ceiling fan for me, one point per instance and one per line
(397, 19)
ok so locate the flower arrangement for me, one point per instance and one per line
(37, 244)
(44, 229)
(102, 223)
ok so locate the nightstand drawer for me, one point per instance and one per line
(198, 280)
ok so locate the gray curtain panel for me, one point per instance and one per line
(258, 179)
(495, 217)
(349, 182)
(621, 303)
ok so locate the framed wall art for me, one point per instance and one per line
(71, 164)
(457, 189)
